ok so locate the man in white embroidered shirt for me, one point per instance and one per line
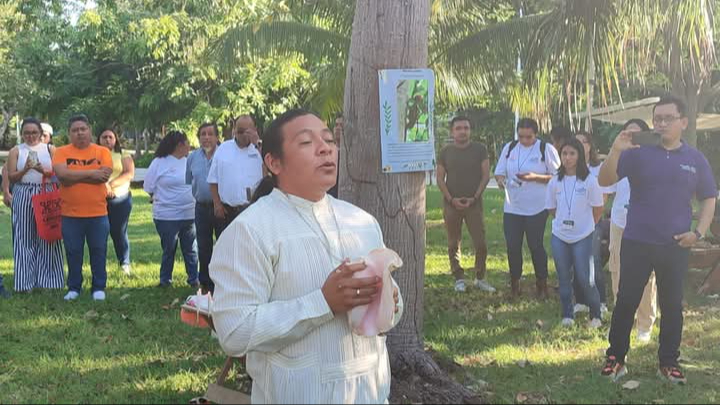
(235, 172)
(284, 285)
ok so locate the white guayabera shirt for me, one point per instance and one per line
(269, 267)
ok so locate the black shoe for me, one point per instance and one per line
(195, 285)
(4, 293)
(164, 285)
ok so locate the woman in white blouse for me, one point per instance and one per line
(283, 284)
(575, 198)
(173, 206)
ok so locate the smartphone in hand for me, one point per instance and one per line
(646, 138)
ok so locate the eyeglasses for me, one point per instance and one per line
(668, 119)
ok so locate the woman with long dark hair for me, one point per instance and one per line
(594, 164)
(38, 263)
(119, 198)
(575, 199)
(283, 284)
(173, 206)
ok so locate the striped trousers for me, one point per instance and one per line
(38, 264)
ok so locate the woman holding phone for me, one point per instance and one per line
(575, 199)
(524, 169)
(38, 264)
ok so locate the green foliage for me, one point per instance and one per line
(145, 160)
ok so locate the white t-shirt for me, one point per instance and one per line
(573, 199)
(235, 170)
(595, 171)
(526, 197)
(172, 197)
(621, 202)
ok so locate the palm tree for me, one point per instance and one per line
(320, 31)
(590, 46)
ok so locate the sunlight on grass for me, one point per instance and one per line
(133, 348)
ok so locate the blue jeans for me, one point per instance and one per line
(575, 260)
(533, 227)
(119, 215)
(599, 271)
(75, 232)
(206, 225)
(169, 232)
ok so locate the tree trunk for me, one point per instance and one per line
(6, 118)
(391, 34)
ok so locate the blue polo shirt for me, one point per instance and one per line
(663, 184)
(198, 167)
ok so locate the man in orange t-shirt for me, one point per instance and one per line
(83, 168)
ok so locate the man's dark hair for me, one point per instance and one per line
(209, 124)
(459, 118)
(528, 123)
(339, 116)
(560, 134)
(678, 102)
(78, 118)
(169, 143)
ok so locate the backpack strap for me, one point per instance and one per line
(513, 144)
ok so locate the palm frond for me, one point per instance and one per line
(280, 38)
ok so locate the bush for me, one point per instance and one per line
(144, 160)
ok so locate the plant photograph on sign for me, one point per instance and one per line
(413, 108)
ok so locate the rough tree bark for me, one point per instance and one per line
(391, 34)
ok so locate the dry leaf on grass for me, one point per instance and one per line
(631, 385)
(124, 297)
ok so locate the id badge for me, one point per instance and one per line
(516, 183)
(568, 225)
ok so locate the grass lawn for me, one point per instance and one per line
(133, 348)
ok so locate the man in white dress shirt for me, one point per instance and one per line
(284, 284)
(235, 172)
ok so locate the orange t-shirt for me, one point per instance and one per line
(83, 200)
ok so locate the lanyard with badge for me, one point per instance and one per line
(515, 181)
(569, 224)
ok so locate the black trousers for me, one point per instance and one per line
(637, 261)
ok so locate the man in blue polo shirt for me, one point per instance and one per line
(664, 178)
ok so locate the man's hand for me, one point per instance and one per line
(459, 203)
(219, 209)
(687, 239)
(101, 175)
(623, 142)
(343, 292)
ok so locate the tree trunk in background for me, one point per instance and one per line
(391, 34)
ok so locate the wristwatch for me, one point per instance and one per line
(698, 234)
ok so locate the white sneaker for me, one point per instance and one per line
(603, 310)
(460, 286)
(126, 269)
(567, 322)
(580, 308)
(71, 296)
(99, 295)
(644, 336)
(595, 324)
(484, 286)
